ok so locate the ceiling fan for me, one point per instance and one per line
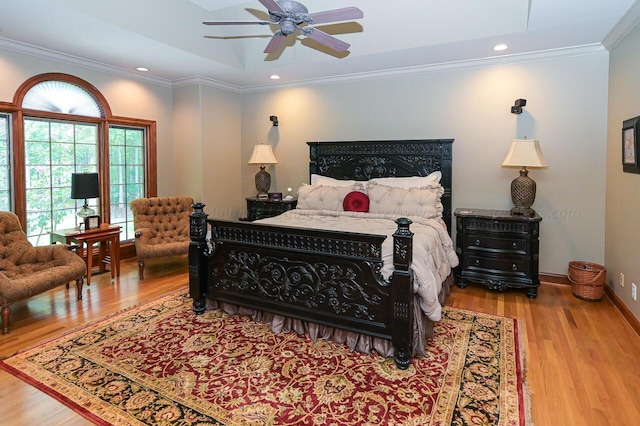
(291, 15)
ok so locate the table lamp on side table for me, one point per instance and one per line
(524, 153)
(263, 154)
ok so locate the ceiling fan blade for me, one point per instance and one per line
(276, 42)
(236, 22)
(271, 5)
(326, 39)
(344, 14)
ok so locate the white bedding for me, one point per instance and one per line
(433, 252)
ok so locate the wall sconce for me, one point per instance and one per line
(274, 120)
(517, 106)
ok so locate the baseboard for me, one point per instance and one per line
(554, 279)
(617, 302)
(624, 310)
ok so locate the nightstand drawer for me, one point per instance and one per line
(512, 267)
(480, 243)
(498, 226)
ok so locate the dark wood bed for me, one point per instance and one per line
(325, 277)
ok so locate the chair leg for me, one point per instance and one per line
(141, 269)
(6, 313)
(79, 283)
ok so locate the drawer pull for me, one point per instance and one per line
(514, 267)
(477, 242)
(477, 262)
(515, 245)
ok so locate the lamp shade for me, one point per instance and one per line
(84, 185)
(262, 154)
(525, 153)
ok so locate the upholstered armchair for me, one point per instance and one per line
(161, 227)
(26, 270)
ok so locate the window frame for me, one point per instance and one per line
(103, 123)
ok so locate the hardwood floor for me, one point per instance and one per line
(580, 356)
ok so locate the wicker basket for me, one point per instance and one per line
(587, 280)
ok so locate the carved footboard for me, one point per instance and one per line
(330, 278)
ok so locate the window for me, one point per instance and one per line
(5, 163)
(53, 151)
(66, 126)
(126, 174)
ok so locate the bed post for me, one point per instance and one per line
(402, 294)
(197, 257)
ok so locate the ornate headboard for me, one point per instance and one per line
(363, 160)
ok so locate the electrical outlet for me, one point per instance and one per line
(621, 279)
(634, 291)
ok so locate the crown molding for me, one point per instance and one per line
(590, 49)
(52, 55)
(627, 23)
(199, 80)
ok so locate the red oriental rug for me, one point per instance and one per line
(159, 363)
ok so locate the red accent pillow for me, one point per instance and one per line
(356, 201)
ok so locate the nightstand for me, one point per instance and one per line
(260, 209)
(497, 249)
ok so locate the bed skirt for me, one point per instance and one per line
(422, 327)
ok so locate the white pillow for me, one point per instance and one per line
(410, 182)
(423, 201)
(318, 197)
(328, 181)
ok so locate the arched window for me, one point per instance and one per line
(60, 125)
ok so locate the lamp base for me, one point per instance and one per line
(85, 211)
(523, 194)
(263, 181)
(522, 211)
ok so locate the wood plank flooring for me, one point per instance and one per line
(581, 357)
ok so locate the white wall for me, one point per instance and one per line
(623, 189)
(566, 111)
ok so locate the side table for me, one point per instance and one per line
(497, 249)
(260, 209)
(106, 235)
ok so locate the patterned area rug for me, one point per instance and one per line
(161, 364)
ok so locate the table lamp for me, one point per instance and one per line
(84, 186)
(262, 154)
(524, 153)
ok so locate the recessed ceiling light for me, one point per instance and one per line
(274, 77)
(143, 69)
(499, 47)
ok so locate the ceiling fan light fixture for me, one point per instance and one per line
(500, 47)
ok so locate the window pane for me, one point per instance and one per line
(126, 174)
(61, 132)
(37, 152)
